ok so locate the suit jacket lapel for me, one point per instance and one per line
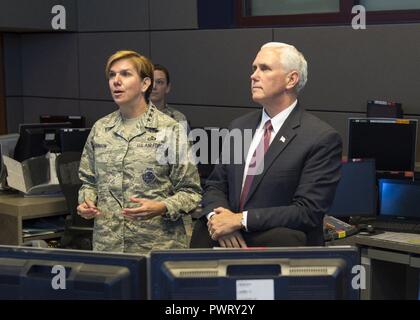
(281, 140)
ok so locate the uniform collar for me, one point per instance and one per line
(148, 119)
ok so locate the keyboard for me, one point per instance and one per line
(397, 226)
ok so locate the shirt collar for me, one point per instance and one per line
(278, 120)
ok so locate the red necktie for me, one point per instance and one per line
(256, 160)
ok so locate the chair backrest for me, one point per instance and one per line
(67, 165)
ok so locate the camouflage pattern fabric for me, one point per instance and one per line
(115, 167)
(174, 114)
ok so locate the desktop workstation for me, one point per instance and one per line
(208, 47)
(391, 261)
(17, 212)
(27, 273)
(39, 213)
(278, 273)
(394, 255)
(174, 273)
(382, 213)
(275, 273)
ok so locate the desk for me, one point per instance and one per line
(392, 267)
(14, 209)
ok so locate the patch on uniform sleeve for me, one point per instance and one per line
(149, 176)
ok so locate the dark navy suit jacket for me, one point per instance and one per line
(298, 182)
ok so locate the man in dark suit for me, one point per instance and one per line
(278, 196)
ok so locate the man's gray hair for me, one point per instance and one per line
(291, 60)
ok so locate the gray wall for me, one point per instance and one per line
(62, 73)
(35, 15)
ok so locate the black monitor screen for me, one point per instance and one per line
(76, 121)
(73, 139)
(28, 273)
(207, 145)
(356, 192)
(399, 199)
(391, 142)
(267, 274)
(36, 139)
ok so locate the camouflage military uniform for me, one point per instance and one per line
(174, 114)
(114, 168)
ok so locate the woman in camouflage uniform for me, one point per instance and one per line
(136, 199)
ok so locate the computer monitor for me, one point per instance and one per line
(76, 121)
(8, 143)
(384, 109)
(27, 273)
(36, 139)
(356, 193)
(72, 139)
(207, 146)
(275, 273)
(391, 142)
(399, 199)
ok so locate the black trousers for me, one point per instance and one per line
(276, 237)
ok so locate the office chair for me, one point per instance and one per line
(78, 231)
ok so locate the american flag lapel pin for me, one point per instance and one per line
(282, 139)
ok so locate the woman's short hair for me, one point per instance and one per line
(142, 64)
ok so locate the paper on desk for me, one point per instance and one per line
(15, 176)
(261, 289)
(53, 172)
(410, 238)
(37, 231)
(33, 176)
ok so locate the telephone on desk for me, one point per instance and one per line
(336, 229)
